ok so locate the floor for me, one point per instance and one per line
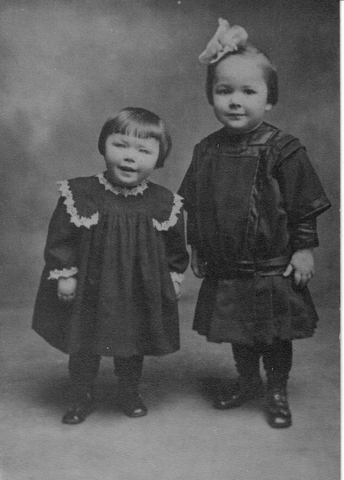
(183, 437)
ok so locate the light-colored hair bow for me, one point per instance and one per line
(226, 39)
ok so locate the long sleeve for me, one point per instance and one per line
(304, 198)
(188, 191)
(176, 252)
(62, 243)
(300, 186)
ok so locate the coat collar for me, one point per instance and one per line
(259, 136)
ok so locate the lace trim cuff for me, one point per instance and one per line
(177, 205)
(66, 273)
(177, 277)
(69, 202)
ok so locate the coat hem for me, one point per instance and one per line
(296, 336)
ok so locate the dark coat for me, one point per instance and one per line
(124, 247)
(252, 201)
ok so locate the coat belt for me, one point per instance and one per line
(272, 266)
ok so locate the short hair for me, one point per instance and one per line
(142, 124)
(269, 71)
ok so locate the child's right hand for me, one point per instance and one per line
(198, 266)
(177, 289)
(66, 288)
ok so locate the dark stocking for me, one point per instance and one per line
(129, 369)
(247, 361)
(277, 360)
(83, 369)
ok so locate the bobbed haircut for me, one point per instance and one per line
(269, 71)
(140, 123)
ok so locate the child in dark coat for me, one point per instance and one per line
(252, 198)
(115, 257)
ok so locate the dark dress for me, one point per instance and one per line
(252, 201)
(124, 244)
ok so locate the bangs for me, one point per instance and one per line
(138, 129)
(138, 122)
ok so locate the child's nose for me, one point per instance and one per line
(234, 99)
(129, 156)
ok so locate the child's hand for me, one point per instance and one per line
(197, 266)
(66, 288)
(177, 289)
(302, 262)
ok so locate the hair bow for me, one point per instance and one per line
(226, 39)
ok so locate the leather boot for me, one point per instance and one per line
(277, 409)
(129, 400)
(244, 390)
(249, 385)
(82, 406)
(277, 359)
(83, 369)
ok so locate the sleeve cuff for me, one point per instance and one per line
(66, 273)
(177, 277)
(305, 235)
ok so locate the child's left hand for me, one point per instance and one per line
(177, 289)
(302, 263)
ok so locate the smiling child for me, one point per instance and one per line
(115, 257)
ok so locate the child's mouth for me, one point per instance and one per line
(127, 169)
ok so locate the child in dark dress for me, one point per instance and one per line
(115, 257)
(252, 198)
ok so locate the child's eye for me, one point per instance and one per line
(249, 91)
(143, 150)
(118, 145)
(223, 91)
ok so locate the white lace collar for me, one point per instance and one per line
(138, 189)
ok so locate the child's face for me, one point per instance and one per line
(130, 159)
(240, 93)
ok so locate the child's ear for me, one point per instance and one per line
(268, 107)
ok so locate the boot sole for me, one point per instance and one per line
(76, 419)
(235, 404)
